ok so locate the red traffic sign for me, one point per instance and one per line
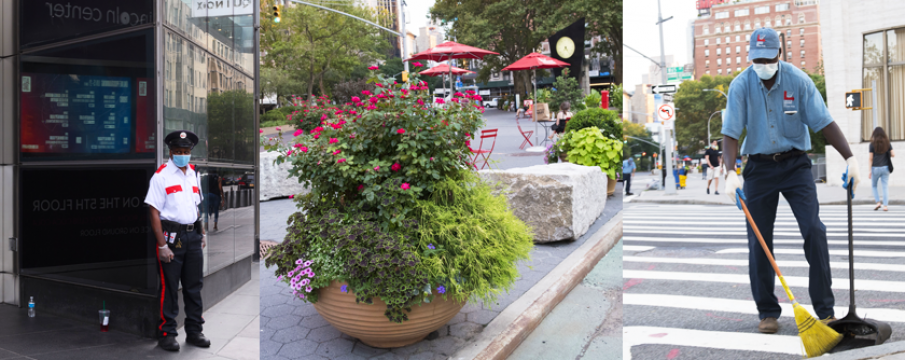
(666, 112)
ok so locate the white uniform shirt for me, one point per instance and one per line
(174, 194)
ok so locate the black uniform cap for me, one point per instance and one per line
(181, 139)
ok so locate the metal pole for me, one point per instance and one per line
(351, 16)
(873, 95)
(670, 180)
(405, 47)
(534, 113)
(708, 124)
(257, 119)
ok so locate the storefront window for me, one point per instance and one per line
(50, 22)
(884, 70)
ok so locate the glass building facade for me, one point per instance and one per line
(89, 89)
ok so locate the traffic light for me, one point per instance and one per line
(643, 153)
(276, 14)
(405, 76)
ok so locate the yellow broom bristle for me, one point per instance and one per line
(816, 336)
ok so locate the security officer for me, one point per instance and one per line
(777, 103)
(174, 197)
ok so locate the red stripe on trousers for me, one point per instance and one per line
(163, 289)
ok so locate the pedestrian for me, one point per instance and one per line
(562, 117)
(214, 197)
(704, 171)
(628, 170)
(777, 103)
(881, 155)
(713, 160)
(174, 196)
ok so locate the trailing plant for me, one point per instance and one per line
(605, 120)
(553, 152)
(590, 148)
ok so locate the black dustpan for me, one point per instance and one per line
(857, 332)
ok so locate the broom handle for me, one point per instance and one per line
(851, 252)
(763, 244)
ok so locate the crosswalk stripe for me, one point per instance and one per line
(745, 306)
(636, 248)
(744, 262)
(723, 227)
(648, 230)
(794, 281)
(858, 253)
(745, 241)
(652, 335)
(741, 222)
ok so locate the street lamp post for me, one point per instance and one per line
(711, 115)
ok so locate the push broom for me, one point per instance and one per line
(816, 337)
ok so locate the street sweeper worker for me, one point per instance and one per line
(777, 103)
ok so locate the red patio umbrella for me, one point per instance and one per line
(442, 69)
(451, 50)
(534, 61)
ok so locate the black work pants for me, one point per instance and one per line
(187, 267)
(627, 181)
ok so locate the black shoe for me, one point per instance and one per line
(708, 191)
(198, 339)
(168, 343)
(629, 194)
(717, 193)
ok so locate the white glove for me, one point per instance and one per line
(732, 184)
(853, 174)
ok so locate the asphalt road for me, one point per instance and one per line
(686, 287)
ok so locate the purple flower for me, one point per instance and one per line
(441, 290)
(294, 292)
(301, 295)
(308, 289)
(279, 277)
(344, 288)
(431, 246)
(308, 263)
(290, 273)
(299, 262)
(304, 282)
(311, 274)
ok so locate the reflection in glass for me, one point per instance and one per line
(893, 38)
(896, 129)
(872, 75)
(873, 48)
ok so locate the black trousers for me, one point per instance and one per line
(627, 180)
(187, 267)
(764, 181)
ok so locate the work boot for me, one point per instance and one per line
(168, 343)
(708, 191)
(215, 226)
(768, 326)
(828, 320)
(197, 339)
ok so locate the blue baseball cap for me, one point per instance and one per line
(764, 44)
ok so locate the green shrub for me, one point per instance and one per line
(605, 120)
(273, 118)
(590, 148)
(592, 100)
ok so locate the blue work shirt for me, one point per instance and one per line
(628, 166)
(777, 120)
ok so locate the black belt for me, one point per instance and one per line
(172, 226)
(777, 157)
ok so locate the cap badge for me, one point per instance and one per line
(182, 135)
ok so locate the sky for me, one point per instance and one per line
(642, 34)
(418, 13)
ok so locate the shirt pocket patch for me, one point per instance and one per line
(792, 127)
(173, 189)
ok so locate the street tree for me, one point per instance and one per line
(281, 83)
(638, 140)
(314, 45)
(695, 107)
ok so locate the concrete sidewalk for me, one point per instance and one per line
(695, 192)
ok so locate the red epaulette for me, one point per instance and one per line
(160, 168)
(192, 166)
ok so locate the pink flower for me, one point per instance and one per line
(308, 289)
(405, 186)
(440, 101)
(304, 282)
(317, 136)
(371, 107)
(304, 149)
(288, 117)
(382, 96)
(455, 100)
(377, 168)
(261, 131)
(420, 102)
(432, 158)
(379, 85)
(392, 96)
(417, 64)
(401, 131)
(469, 92)
(356, 99)
(340, 161)
(374, 100)
(373, 68)
(291, 196)
(333, 140)
(337, 152)
(459, 94)
(365, 92)
(477, 97)
(467, 135)
(396, 167)
(289, 153)
(278, 129)
(405, 92)
(360, 187)
(324, 117)
(353, 112)
(298, 132)
(338, 112)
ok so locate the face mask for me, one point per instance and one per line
(181, 160)
(766, 71)
(714, 147)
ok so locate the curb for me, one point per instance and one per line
(512, 326)
(871, 352)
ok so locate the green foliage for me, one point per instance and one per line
(590, 148)
(273, 118)
(344, 91)
(592, 100)
(566, 90)
(231, 129)
(478, 239)
(634, 146)
(695, 108)
(615, 97)
(606, 120)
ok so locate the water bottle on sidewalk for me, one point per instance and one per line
(31, 306)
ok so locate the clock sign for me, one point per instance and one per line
(565, 47)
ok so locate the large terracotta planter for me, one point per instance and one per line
(610, 186)
(368, 324)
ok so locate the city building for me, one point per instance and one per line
(864, 37)
(87, 92)
(722, 33)
(642, 103)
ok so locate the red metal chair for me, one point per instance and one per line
(480, 152)
(525, 134)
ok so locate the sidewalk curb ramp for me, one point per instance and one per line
(870, 352)
(512, 326)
